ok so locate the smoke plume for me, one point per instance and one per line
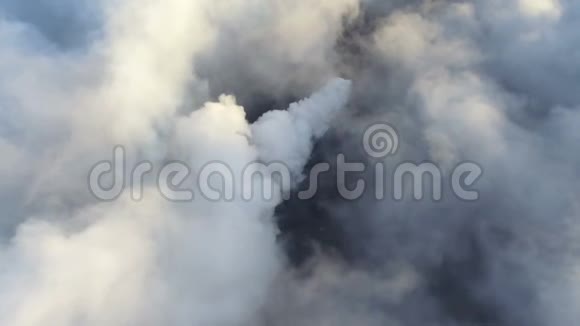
(253, 83)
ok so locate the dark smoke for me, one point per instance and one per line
(486, 81)
(478, 262)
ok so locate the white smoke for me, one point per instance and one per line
(153, 262)
(69, 260)
(298, 126)
(489, 81)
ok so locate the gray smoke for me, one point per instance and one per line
(488, 81)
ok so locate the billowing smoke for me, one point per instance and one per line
(247, 86)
